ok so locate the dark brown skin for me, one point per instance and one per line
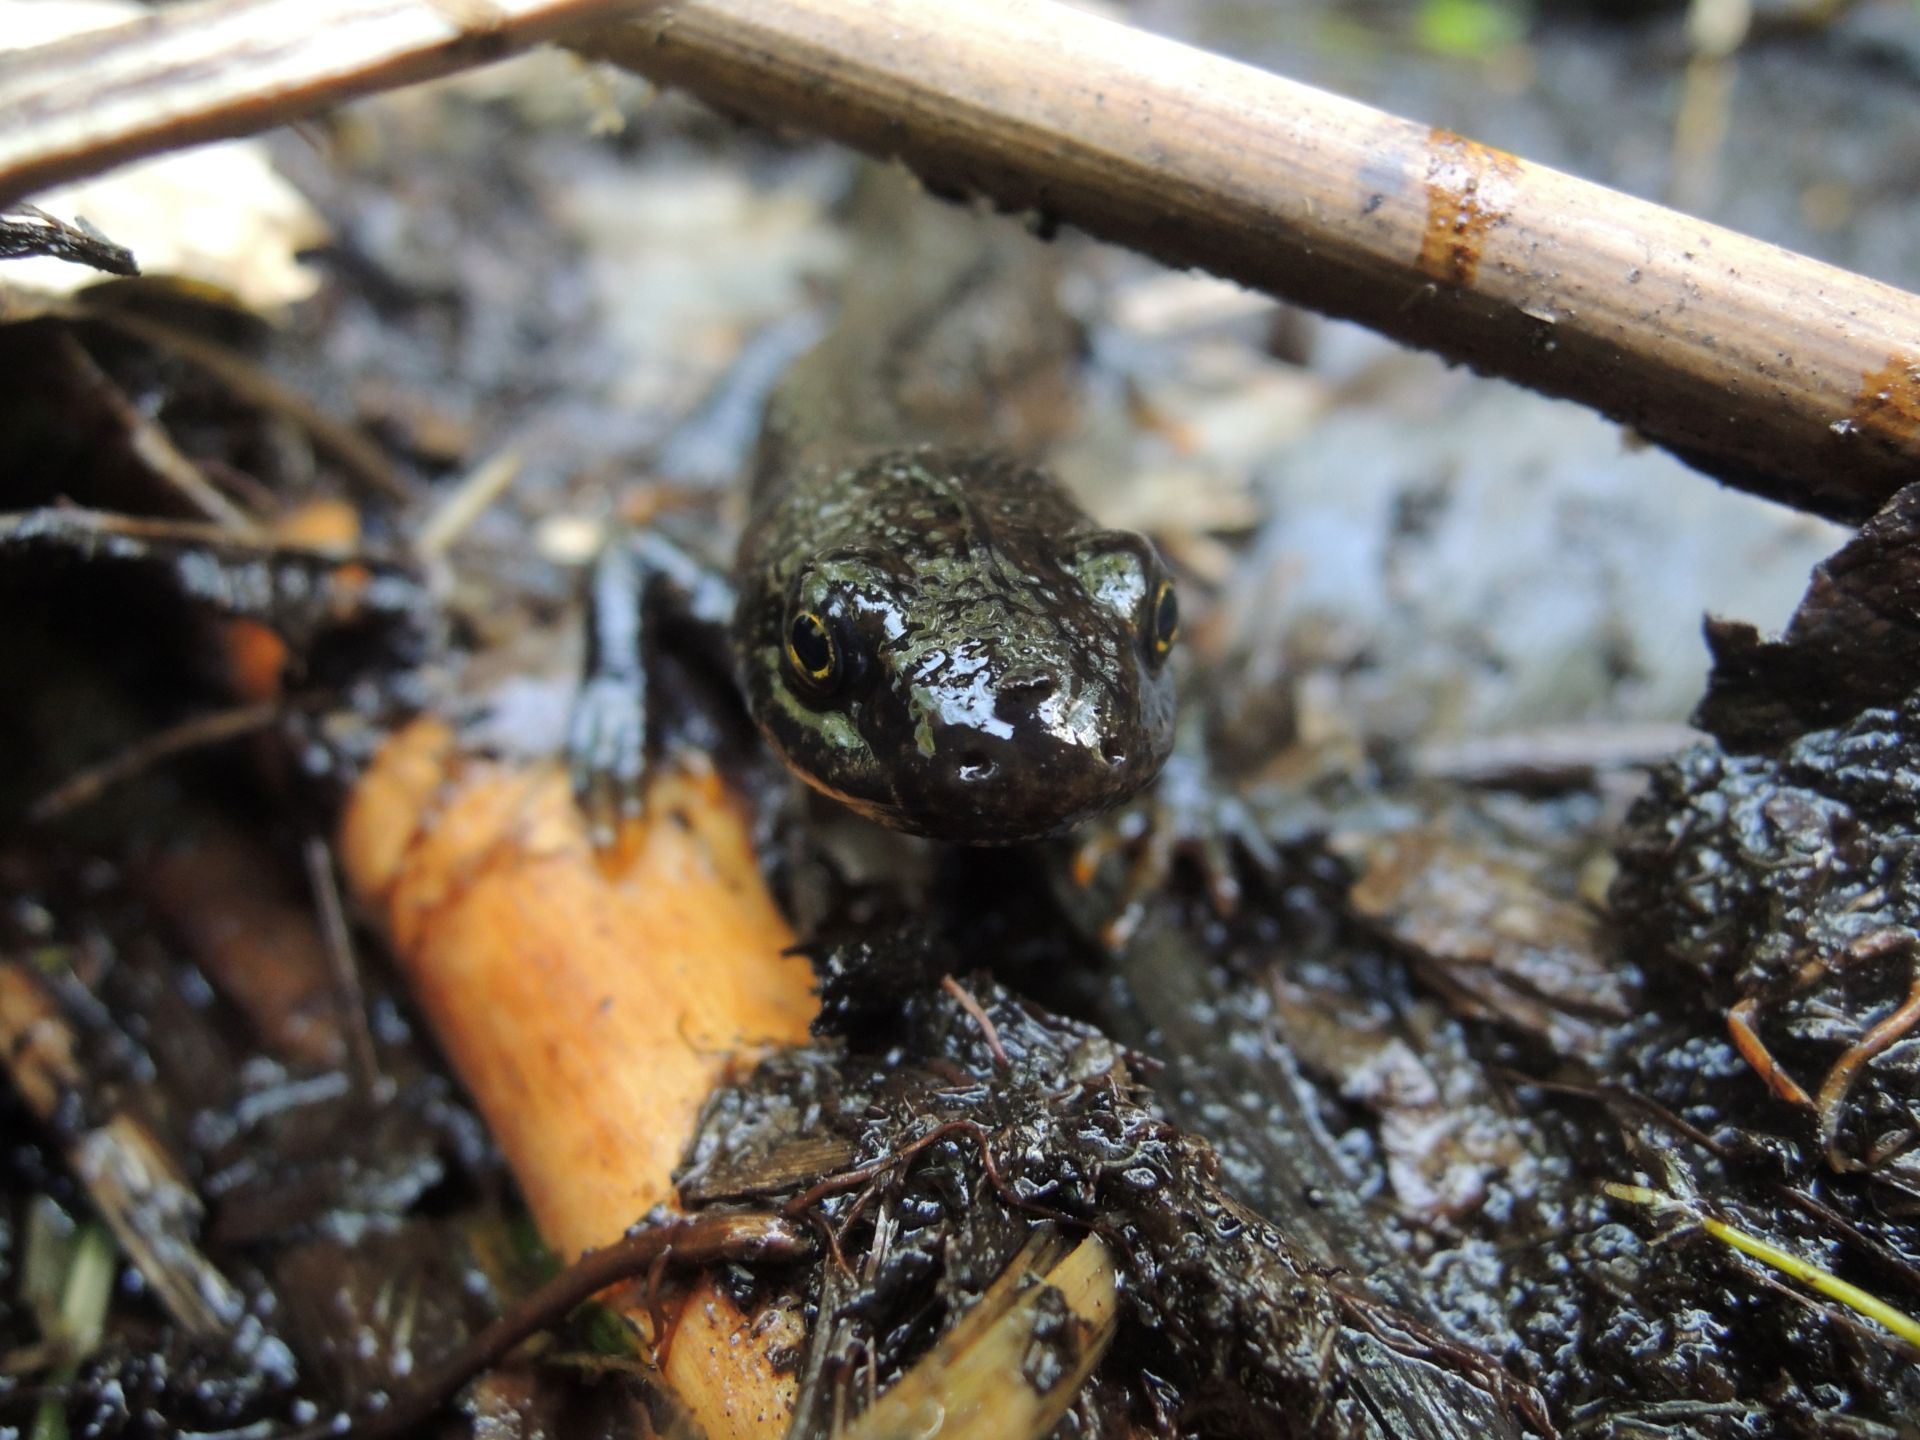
(926, 628)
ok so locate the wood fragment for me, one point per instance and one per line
(136, 1186)
(28, 230)
(1551, 755)
(218, 68)
(998, 1372)
(466, 503)
(588, 1002)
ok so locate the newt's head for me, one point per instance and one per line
(972, 661)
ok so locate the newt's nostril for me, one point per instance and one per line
(975, 767)
(1032, 684)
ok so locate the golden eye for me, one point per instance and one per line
(1166, 619)
(810, 651)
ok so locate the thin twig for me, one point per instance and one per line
(1833, 1091)
(23, 525)
(1403, 1334)
(197, 733)
(28, 230)
(342, 443)
(690, 1243)
(964, 998)
(150, 443)
(860, 1174)
(467, 501)
(349, 994)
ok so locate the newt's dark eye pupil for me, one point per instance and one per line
(1166, 618)
(810, 648)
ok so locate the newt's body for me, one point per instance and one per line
(925, 627)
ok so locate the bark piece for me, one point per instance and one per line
(1853, 644)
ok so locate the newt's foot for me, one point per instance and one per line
(607, 754)
(1187, 816)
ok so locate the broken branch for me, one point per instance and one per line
(218, 68)
(689, 1243)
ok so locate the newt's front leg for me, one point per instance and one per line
(1192, 815)
(641, 580)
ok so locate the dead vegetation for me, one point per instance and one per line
(1410, 1123)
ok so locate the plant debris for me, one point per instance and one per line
(957, 1155)
(1373, 1118)
(29, 230)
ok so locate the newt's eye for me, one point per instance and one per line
(1164, 627)
(812, 657)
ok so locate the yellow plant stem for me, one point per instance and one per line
(1787, 1263)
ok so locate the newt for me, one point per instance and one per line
(924, 623)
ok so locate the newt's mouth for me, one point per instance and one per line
(978, 800)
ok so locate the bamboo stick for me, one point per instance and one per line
(1766, 369)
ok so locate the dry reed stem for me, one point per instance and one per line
(1766, 369)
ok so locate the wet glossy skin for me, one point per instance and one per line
(989, 666)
